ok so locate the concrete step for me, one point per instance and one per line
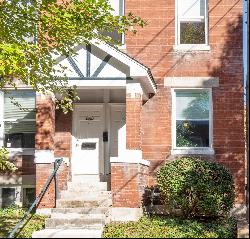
(86, 178)
(68, 233)
(74, 215)
(82, 210)
(83, 223)
(95, 194)
(88, 186)
(63, 203)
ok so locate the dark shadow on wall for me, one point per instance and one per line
(228, 102)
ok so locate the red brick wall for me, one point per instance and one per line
(127, 184)
(45, 122)
(63, 142)
(60, 134)
(63, 127)
(133, 121)
(153, 46)
(45, 131)
(43, 171)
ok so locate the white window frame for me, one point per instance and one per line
(190, 47)
(12, 151)
(122, 13)
(23, 195)
(192, 150)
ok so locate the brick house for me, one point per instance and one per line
(175, 88)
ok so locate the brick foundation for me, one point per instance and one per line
(127, 183)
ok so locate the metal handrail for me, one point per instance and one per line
(38, 198)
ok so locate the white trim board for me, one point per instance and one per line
(128, 67)
(193, 82)
(44, 156)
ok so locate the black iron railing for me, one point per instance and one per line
(57, 164)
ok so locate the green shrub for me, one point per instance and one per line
(10, 216)
(5, 164)
(160, 227)
(197, 187)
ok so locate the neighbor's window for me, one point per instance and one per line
(29, 196)
(192, 22)
(19, 120)
(8, 197)
(192, 118)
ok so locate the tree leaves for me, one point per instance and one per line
(30, 31)
(5, 164)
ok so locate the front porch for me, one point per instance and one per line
(101, 139)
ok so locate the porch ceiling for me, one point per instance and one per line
(102, 65)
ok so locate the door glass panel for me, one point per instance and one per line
(88, 146)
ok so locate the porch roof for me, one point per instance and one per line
(103, 62)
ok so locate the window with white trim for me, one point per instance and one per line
(19, 119)
(29, 196)
(119, 10)
(192, 22)
(192, 114)
(8, 197)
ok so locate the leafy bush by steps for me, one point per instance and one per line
(197, 187)
(9, 217)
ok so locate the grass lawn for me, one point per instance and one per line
(9, 218)
(164, 227)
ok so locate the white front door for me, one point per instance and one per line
(87, 148)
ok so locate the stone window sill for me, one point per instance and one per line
(191, 48)
(21, 151)
(205, 151)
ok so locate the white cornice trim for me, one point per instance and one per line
(195, 82)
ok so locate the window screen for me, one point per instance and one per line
(192, 119)
(192, 21)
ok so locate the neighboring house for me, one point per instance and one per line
(175, 88)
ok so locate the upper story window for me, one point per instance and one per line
(192, 22)
(118, 6)
(19, 120)
(192, 114)
(119, 10)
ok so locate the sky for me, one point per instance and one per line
(245, 38)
